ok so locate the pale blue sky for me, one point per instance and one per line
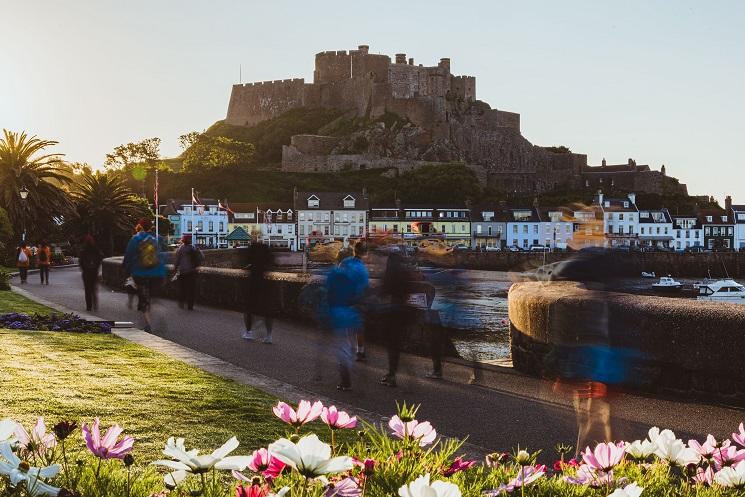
(662, 82)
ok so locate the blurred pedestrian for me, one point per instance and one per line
(352, 258)
(347, 285)
(188, 259)
(396, 288)
(23, 261)
(89, 260)
(144, 263)
(257, 292)
(44, 256)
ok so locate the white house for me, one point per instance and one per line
(556, 229)
(738, 217)
(206, 222)
(656, 229)
(328, 216)
(687, 232)
(620, 220)
(523, 228)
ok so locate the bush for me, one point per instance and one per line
(4, 280)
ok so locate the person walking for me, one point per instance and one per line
(188, 259)
(23, 261)
(396, 287)
(44, 256)
(257, 292)
(346, 285)
(354, 264)
(143, 261)
(89, 260)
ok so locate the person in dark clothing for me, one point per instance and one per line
(396, 286)
(257, 292)
(89, 260)
(44, 256)
(188, 259)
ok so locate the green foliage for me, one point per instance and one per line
(559, 149)
(269, 136)
(146, 151)
(23, 164)
(13, 302)
(4, 280)
(209, 152)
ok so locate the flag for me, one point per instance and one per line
(194, 198)
(224, 207)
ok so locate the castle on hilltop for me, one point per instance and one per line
(444, 123)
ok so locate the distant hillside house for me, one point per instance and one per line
(620, 220)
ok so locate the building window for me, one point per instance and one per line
(709, 218)
(408, 228)
(395, 228)
(489, 230)
(200, 225)
(221, 226)
(707, 231)
(326, 230)
(478, 229)
(189, 226)
(730, 230)
(313, 201)
(302, 230)
(326, 216)
(620, 215)
(349, 202)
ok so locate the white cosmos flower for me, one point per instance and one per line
(631, 490)
(189, 461)
(641, 449)
(421, 487)
(731, 476)
(655, 434)
(19, 471)
(675, 451)
(310, 457)
(7, 429)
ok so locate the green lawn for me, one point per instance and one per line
(71, 376)
(12, 302)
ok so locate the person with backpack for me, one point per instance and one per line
(188, 259)
(44, 256)
(23, 261)
(89, 260)
(143, 261)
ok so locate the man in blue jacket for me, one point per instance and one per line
(143, 260)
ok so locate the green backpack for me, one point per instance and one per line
(148, 252)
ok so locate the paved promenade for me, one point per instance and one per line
(503, 409)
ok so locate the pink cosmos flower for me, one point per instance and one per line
(262, 461)
(707, 449)
(605, 456)
(348, 487)
(38, 441)
(107, 447)
(367, 466)
(571, 463)
(423, 432)
(739, 438)
(306, 412)
(337, 419)
(458, 465)
(728, 456)
(525, 476)
(589, 476)
(704, 476)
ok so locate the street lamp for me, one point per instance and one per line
(23, 192)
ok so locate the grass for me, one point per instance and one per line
(13, 302)
(8, 269)
(68, 376)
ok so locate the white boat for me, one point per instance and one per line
(648, 275)
(667, 285)
(722, 291)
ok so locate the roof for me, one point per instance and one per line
(617, 205)
(238, 235)
(533, 218)
(331, 200)
(716, 216)
(697, 225)
(738, 209)
(666, 219)
(566, 214)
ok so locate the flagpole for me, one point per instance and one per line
(194, 241)
(157, 232)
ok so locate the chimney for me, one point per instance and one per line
(400, 58)
(364, 192)
(398, 203)
(363, 49)
(728, 204)
(411, 61)
(604, 163)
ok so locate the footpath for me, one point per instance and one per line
(496, 407)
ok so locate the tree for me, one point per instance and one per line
(146, 151)
(188, 139)
(217, 151)
(23, 164)
(106, 207)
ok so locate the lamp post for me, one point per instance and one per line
(23, 192)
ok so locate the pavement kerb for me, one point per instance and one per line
(36, 270)
(224, 369)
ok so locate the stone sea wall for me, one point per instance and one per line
(653, 344)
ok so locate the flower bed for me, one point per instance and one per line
(405, 458)
(52, 322)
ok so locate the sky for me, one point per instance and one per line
(659, 82)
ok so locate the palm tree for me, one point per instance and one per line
(24, 165)
(105, 207)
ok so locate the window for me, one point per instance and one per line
(631, 229)
(740, 216)
(642, 230)
(408, 228)
(313, 202)
(620, 215)
(525, 228)
(707, 231)
(443, 228)
(200, 225)
(724, 219)
(535, 228)
(326, 216)
(514, 229)
(489, 230)
(290, 229)
(221, 226)
(463, 228)
(395, 228)
(568, 228)
(302, 230)
(326, 230)
(302, 216)
(349, 202)
(310, 216)
(626, 204)
(189, 226)
(620, 229)
(709, 218)
(279, 229)
(525, 243)
(289, 215)
(345, 217)
(337, 217)
(478, 229)
(730, 230)
(658, 230)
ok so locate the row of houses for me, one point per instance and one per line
(317, 217)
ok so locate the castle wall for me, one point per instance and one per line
(463, 87)
(314, 144)
(255, 102)
(332, 66)
(370, 66)
(293, 160)
(404, 80)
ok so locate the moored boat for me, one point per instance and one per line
(727, 290)
(667, 285)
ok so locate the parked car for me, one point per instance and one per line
(693, 250)
(461, 248)
(514, 248)
(493, 248)
(538, 248)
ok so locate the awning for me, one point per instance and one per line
(238, 235)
